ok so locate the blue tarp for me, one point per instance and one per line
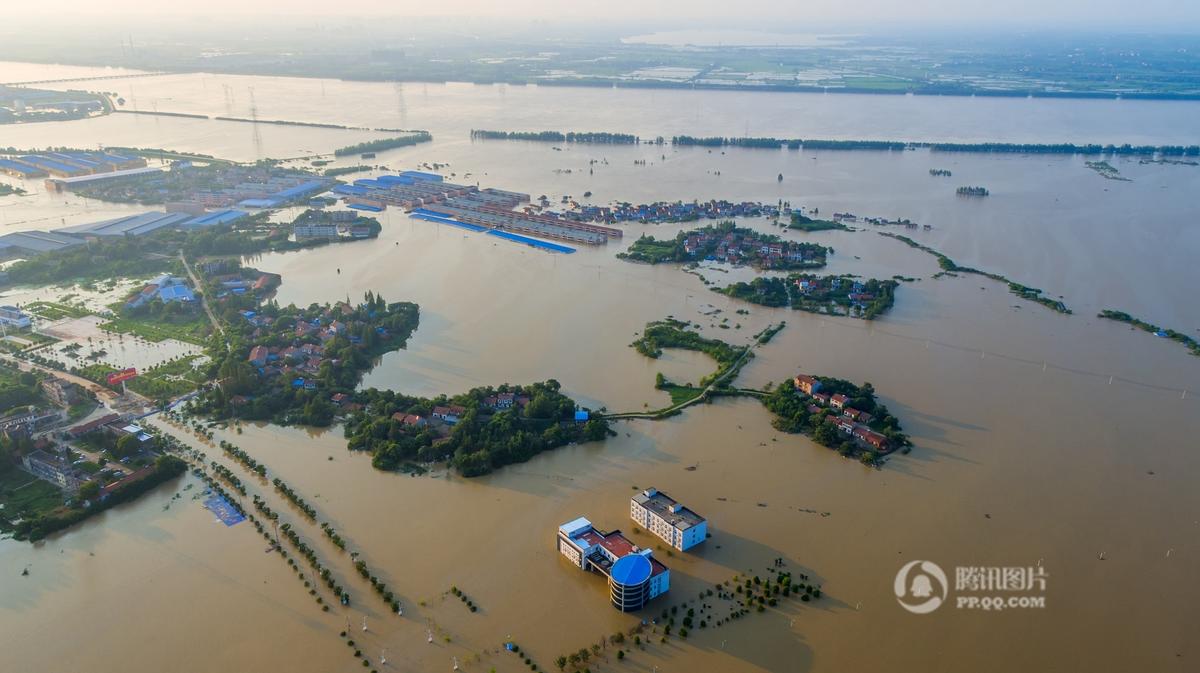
(224, 510)
(546, 245)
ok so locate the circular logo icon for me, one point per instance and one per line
(920, 587)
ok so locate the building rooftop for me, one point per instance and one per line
(37, 241)
(132, 225)
(666, 508)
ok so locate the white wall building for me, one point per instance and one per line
(635, 577)
(677, 525)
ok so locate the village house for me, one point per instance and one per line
(838, 400)
(258, 356)
(807, 384)
(450, 414)
(409, 420)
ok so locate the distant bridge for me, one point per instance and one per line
(83, 79)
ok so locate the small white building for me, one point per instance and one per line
(660, 514)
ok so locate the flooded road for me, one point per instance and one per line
(1039, 437)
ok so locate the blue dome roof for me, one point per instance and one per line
(632, 569)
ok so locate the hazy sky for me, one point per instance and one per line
(1178, 15)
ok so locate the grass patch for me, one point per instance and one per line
(170, 379)
(194, 331)
(24, 495)
(49, 310)
(680, 393)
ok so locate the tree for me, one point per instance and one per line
(89, 490)
(127, 445)
(561, 662)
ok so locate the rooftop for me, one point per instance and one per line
(134, 225)
(668, 509)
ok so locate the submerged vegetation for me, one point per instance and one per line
(949, 266)
(599, 137)
(1106, 170)
(414, 138)
(802, 222)
(1120, 316)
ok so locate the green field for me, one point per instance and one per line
(169, 380)
(21, 493)
(49, 310)
(193, 331)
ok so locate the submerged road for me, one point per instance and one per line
(203, 300)
(731, 371)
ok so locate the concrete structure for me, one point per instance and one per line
(304, 232)
(634, 576)
(12, 318)
(52, 469)
(677, 525)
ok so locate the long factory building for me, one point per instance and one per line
(489, 208)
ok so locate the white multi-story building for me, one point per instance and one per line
(634, 576)
(677, 525)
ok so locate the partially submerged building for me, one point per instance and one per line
(635, 577)
(660, 514)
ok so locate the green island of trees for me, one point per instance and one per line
(7, 190)
(414, 138)
(726, 242)
(796, 412)
(803, 222)
(598, 137)
(284, 364)
(831, 295)
(1106, 170)
(1166, 333)
(475, 432)
(344, 170)
(940, 172)
(949, 267)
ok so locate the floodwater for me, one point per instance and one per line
(1039, 437)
